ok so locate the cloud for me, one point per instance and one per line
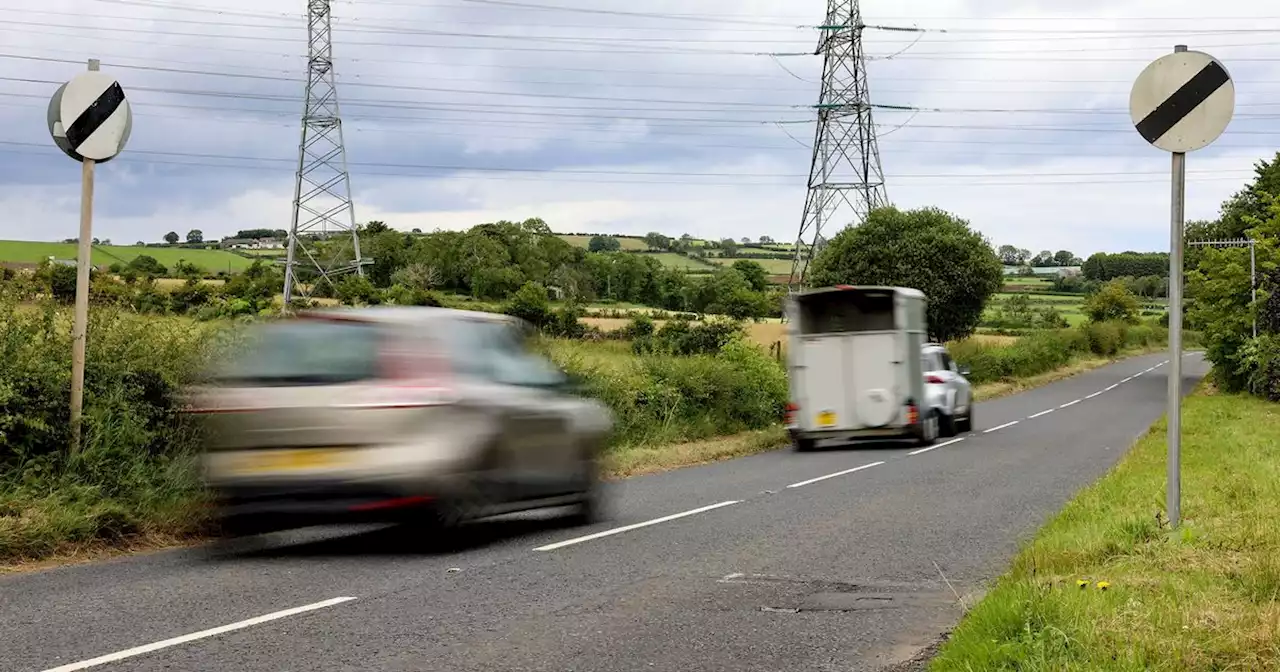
(625, 117)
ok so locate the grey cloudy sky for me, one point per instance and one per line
(630, 116)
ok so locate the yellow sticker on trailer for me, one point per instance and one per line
(826, 419)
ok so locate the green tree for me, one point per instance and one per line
(1063, 257)
(604, 244)
(730, 247)
(147, 265)
(926, 249)
(195, 236)
(657, 241)
(754, 273)
(62, 282)
(1113, 302)
(172, 238)
(530, 303)
(375, 227)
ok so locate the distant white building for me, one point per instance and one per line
(253, 244)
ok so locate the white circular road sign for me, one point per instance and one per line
(1183, 101)
(89, 117)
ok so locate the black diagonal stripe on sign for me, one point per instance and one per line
(1187, 98)
(98, 112)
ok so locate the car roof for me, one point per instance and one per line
(403, 315)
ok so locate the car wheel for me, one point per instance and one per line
(928, 430)
(590, 507)
(966, 423)
(948, 426)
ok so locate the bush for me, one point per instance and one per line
(661, 398)
(1042, 351)
(531, 304)
(1113, 302)
(412, 296)
(682, 336)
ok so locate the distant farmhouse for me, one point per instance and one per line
(252, 244)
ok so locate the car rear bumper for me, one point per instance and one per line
(903, 433)
(254, 510)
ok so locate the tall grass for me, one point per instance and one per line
(664, 399)
(133, 475)
(1044, 351)
(1203, 598)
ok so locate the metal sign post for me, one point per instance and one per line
(90, 120)
(1180, 103)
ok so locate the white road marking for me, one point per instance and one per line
(1041, 413)
(1112, 387)
(635, 526)
(1007, 424)
(838, 473)
(1129, 378)
(212, 632)
(1071, 403)
(1090, 396)
(935, 446)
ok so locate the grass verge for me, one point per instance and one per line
(1204, 597)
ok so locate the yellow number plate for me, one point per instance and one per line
(826, 419)
(289, 460)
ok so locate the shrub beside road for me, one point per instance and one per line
(1106, 585)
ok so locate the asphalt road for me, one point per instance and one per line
(773, 569)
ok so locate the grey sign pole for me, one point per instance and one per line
(1180, 103)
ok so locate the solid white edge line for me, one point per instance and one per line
(996, 429)
(635, 526)
(1071, 403)
(838, 473)
(164, 644)
(935, 447)
(1041, 413)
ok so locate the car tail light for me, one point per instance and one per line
(789, 414)
(934, 379)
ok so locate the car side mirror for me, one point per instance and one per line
(964, 371)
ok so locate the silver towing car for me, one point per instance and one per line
(394, 414)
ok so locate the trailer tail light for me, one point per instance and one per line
(789, 414)
(913, 415)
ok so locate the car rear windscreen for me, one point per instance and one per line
(304, 352)
(846, 311)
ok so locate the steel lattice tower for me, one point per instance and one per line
(323, 215)
(845, 178)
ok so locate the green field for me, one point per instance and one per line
(683, 263)
(32, 252)
(628, 244)
(771, 266)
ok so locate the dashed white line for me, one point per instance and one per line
(1041, 413)
(1129, 378)
(1112, 387)
(996, 429)
(1095, 394)
(212, 632)
(636, 526)
(1071, 403)
(838, 473)
(936, 446)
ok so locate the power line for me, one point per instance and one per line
(784, 179)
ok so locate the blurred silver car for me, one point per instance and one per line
(394, 414)
(947, 390)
